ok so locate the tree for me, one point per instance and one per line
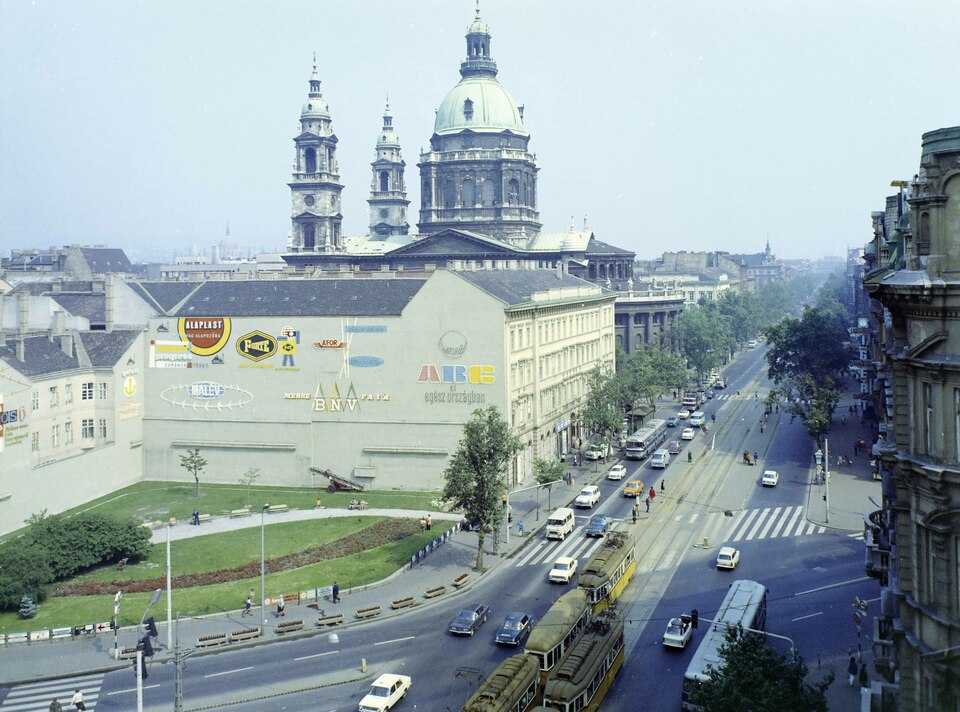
(247, 479)
(753, 676)
(547, 471)
(193, 462)
(605, 403)
(28, 609)
(475, 481)
(705, 337)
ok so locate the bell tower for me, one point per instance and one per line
(315, 188)
(388, 193)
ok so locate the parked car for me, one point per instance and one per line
(515, 629)
(469, 619)
(673, 421)
(597, 526)
(728, 557)
(674, 446)
(688, 434)
(770, 478)
(617, 472)
(588, 497)
(678, 632)
(595, 451)
(752, 344)
(563, 570)
(386, 691)
(634, 488)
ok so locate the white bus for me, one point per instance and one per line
(745, 604)
(643, 442)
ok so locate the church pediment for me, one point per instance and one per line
(457, 244)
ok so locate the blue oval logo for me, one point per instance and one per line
(205, 390)
(365, 361)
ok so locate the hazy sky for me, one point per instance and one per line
(694, 125)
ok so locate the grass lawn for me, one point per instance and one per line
(217, 551)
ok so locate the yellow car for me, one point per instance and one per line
(634, 488)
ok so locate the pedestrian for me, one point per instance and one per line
(634, 515)
(336, 592)
(689, 455)
(852, 671)
(281, 605)
(77, 700)
(653, 492)
(864, 678)
(662, 488)
(55, 706)
(843, 419)
(520, 528)
(756, 456)
(423, 524)
(247, 607)
(429, 522)
(761, 427)
(196, 517)
(713, 417)
(648, 505)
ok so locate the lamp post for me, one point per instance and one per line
(263, 570)
(823, 461)
(169, 599)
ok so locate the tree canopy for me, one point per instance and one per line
(605, 403)
(705, 337)
(475, 479)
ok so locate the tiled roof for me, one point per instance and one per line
(309, 297)
(41, 356)
(164, 295)
(597, 247)
(517, 286)
(90, 306)
(105, 348)
(102, 260)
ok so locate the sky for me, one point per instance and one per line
(695, 125)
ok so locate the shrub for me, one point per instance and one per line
(28, 609)
(24, 571)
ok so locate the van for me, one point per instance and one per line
(697, 418)
(560, 523)
(660, 459)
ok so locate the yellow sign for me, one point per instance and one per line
(129, 386)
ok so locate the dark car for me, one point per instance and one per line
(673, 421)
(598, 525)
(469, 619)
(515, 629)
(708, 395)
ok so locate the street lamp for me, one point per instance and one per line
(263, 570)
(823, 460)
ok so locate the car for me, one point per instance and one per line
(752, 344)
(617, 472)
(595, 451)
(683, 414)
(720, 384)
(588, 497)
(563, 570)
(688, 434)
(770, 478)
(728, 557)
(709, 394)
(634, 488)
(697, 418)
(515, 629)
(386, 691)
(673, 421)
(678, 632)
(674, 446)
(597, 526)
(469, 619)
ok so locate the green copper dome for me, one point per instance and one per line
(478, 103)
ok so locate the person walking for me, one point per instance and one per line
(429, 522)
(77, 700)
(423, 524)
(689, 455)
(852, 671)
(520, 528)
(247, 607)
(634, 514)
(55, 706)
(756, 456)
(653, 492)
(648, 505)
(864, 678)
(281, 606)
(662, 487)
(336, 592)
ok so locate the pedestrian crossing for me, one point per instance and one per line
(547, 551)
(762, 523)
(37, 696)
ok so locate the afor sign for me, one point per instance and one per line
(256, 346)
(207, 336)
(481, 374)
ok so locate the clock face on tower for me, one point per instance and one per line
(308, 200)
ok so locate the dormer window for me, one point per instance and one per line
(468, 108)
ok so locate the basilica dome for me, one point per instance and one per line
(478, 103)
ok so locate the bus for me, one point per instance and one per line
(643, 442)
(557, 631)
(609, 570)
(745, 604)
(583, 678)
(513, 687)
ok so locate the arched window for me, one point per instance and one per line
(426, 193)
(309, 237)
(488, 193)
(513, 192)
(310, 161)
(384, 181)
(449, 194)
(469, 197)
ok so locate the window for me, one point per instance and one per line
(68, 393)
(35, 401)
(68, 433)
(86, 428)
(102, 390)
(54, 397)
(956, 429)
(927, 419)
(55, 436)
(86, 391)
(35, 442)
(102, 428)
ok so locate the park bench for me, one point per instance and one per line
(203, 518)
(369, 612)
(332, 619)
(288, 626)
(208, 641)
(403, 602)
(245, 634)
(274, 508)
(461, 580)
(243, 512)
(435, 591)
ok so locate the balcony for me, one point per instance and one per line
(877, 541)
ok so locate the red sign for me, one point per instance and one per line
(330, 344)
(207, 336)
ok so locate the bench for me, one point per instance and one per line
(402, 602)
(207, 641)
(172, 521)
(332, 619)
(361, 505)
(288, 626)
(435, 591)
(243, 512)
(274, 508)
(128, 653)
(461, 580)
(203, 518)
(369, 612)
(245, 634)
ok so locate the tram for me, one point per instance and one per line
(609, 570)
(557, 631)
(513, 687)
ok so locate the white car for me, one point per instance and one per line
(728, 557)
(683, 414)
(563, 570)
(770, 478)
(617, 472)
(688, 434)
(678, 632)
(595, 451)
(588, 497)
(386, 691)
(752, 344)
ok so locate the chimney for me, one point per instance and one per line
(21, 349)
(57, 286)
(66, 344)
(23, 317)
(59, 321)
(96, 285)
(109, 309)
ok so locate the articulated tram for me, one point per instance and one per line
(609, 571)
(558, 630)
(513, 687)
